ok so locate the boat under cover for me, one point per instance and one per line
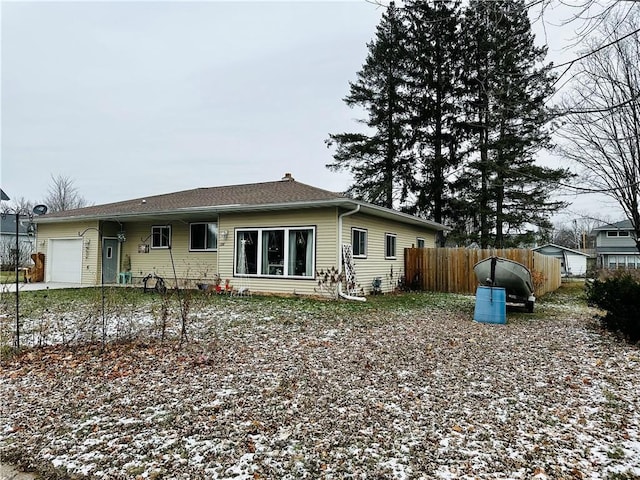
(514, 277)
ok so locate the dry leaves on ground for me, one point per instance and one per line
(274, 392)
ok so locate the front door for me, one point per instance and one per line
(109, 260)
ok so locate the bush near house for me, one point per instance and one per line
(619, 295)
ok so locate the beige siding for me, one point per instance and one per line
(90, 249)
(195, 267)
(192, 266)
(325, 221)
(375, 264)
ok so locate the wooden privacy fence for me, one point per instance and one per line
(451, 269)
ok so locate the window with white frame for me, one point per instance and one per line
(203, 237)
(420, 243)
(389, 245)
(280, 252)
(160, 236)
(617, 233)
(359, 242)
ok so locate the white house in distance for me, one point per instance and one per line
(573, 262)
(616, 246)
(8, 240)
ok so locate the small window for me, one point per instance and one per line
(623, 234)
(612, 233)
(109, 252)
(203, 237)
(359, 242)
(390, 245)
(161, 236)
(420, 242)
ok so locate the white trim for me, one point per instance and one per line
(198, 250)
(395, 246)
(285, 265)
(161, 247)
(366, 241)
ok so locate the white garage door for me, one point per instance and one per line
(65, 260)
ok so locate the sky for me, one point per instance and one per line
(135, 99)
(132, 99)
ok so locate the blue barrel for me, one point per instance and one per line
(491, 305)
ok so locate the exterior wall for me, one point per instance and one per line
(577, 264)
(203, 267)
(602, 240)
(571, 263)
(325, 223)
(375, 264)
(620, 260)
(617, 252)
(26, 244)
(192, 266)
(90, 250)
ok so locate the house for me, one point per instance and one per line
(573, 263)
(8, 240)
(616, 246)
(269, 237)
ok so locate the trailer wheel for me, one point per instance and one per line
(529, 306)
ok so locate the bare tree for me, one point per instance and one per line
(63, 195)
(17, 205)
(576, 233)
(601, 129)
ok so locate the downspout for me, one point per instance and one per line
(340, 217)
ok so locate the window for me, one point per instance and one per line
(161, 236)
(359, 242)
(389, 245)
(615, 262)
(203, 237)
(280, 252)
(617, 233)
(420, 242)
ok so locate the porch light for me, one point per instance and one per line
(224, 234)
(122, 237)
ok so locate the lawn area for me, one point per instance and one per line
(10, 277)
(404, 386)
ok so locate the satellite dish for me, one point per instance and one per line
(40, 209)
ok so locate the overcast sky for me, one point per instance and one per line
(131, 99)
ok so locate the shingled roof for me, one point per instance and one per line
(282, 194)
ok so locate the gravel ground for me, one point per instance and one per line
(268, 389)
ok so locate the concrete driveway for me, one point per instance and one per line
(28, 287)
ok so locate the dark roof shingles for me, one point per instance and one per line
(284, 191)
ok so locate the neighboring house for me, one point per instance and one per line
(269, 237)
(8, 240)
(616, 246)
(573, 263)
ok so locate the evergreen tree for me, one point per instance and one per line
(505, 99)
(433, 77)
(377, 159)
